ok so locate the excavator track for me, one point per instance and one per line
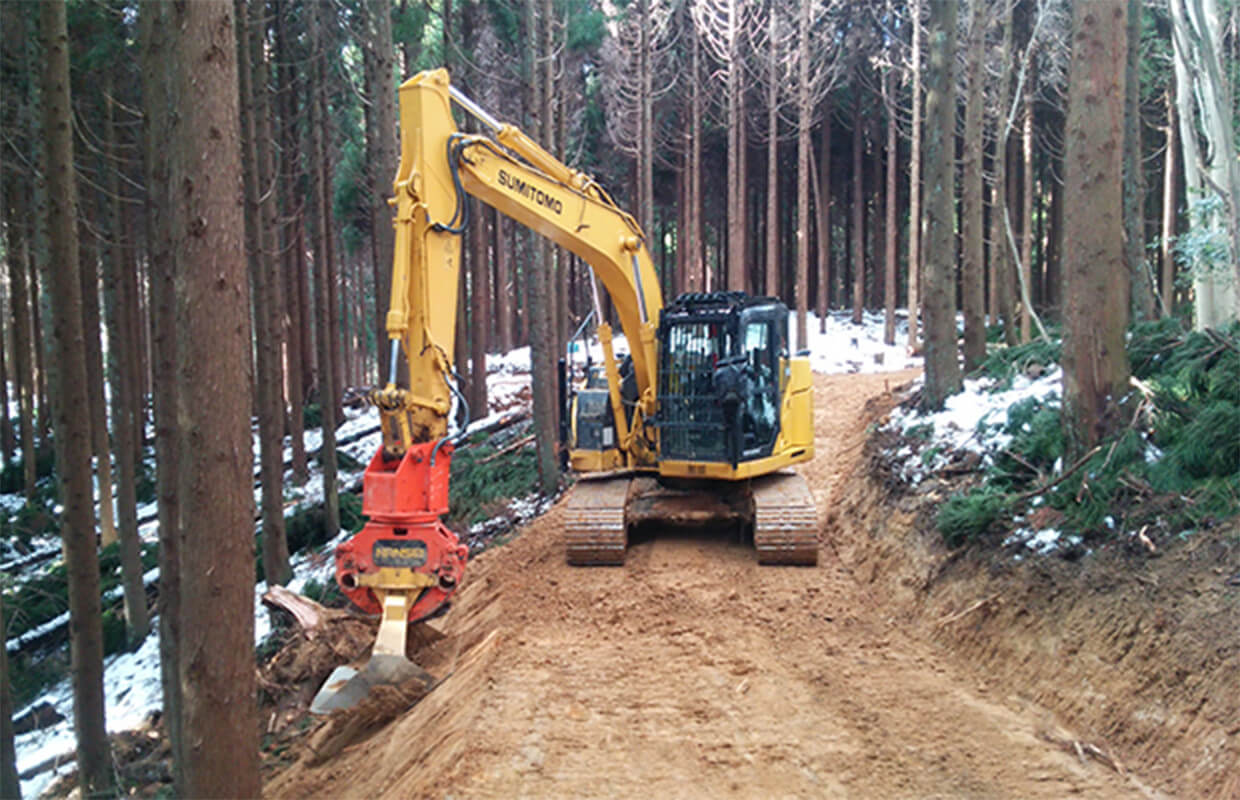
(595, 533)
(785, 529)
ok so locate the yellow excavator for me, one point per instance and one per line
(696, 426)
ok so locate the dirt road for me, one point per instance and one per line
(692, 672)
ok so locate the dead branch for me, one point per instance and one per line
(961, 614)
(518, 444)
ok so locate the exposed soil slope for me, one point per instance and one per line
(694, 672)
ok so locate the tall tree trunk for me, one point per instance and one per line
(91, 327)
(914, 185)
(939, 303)
(381, 156)
(215, 471)
(73, 443)
(736, 157)
(268, 313)
(1001, 260)
(480, 294)
(292, 248)
(120, 290)
(858, 204)
(505, 288)
(696, 281)
(1095, 365)
(1026, 215)
(540, 295)
(1201, 93)
(18, 258)
(772, 157)
(10, 785)
(972, 211)
(892, 238)
(803, 169)
(8, 442)
(1142, 291)
(824, 223)
(322, 278)
(1171, 155)
(156, 61)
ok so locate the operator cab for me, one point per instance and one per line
(719, 392)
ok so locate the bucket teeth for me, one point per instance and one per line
(594, 528)
(785, 527)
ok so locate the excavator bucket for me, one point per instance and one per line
(388, 665)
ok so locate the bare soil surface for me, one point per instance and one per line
(693, 672)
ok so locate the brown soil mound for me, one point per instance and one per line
(694, 672)
(1137, 651)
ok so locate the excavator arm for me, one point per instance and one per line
(510, 172)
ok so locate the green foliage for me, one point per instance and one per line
(30, 676)
(1037, 443)
(46, 596)
(13, 480)
(1177, 465)
(33, 519)
(311, 416)
(1206, 245)
(114, 638)
(146, 487)
(967, 515)
(476, 485)
(324, 592)
(1006, 362)
(306, 527)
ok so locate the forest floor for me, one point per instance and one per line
(894, 669)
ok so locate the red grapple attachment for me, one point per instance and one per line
(404, 548)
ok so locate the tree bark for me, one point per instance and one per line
(215, 470)
(120, 291)
(939, 303)
(803, 170)
(1142, 291)
(539, 294)
(480, 295)
(736, 157)
(292, 249)
(1026, 215)
(91, 327)
(322, 278)
(1000, 256)
(1171, 154)
(824, 223)
(914, 183)
(972, 211)
(156, 63)
(1095, 365)
(18, 258)
(381, 159)
(268, 312)
(10, 785)
(1201, 92)
(858, 204)
(73, 442)
(771, 283)
(505, 286)
(696, 281)
(892, 238)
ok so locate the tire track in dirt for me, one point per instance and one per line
(694, 672)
